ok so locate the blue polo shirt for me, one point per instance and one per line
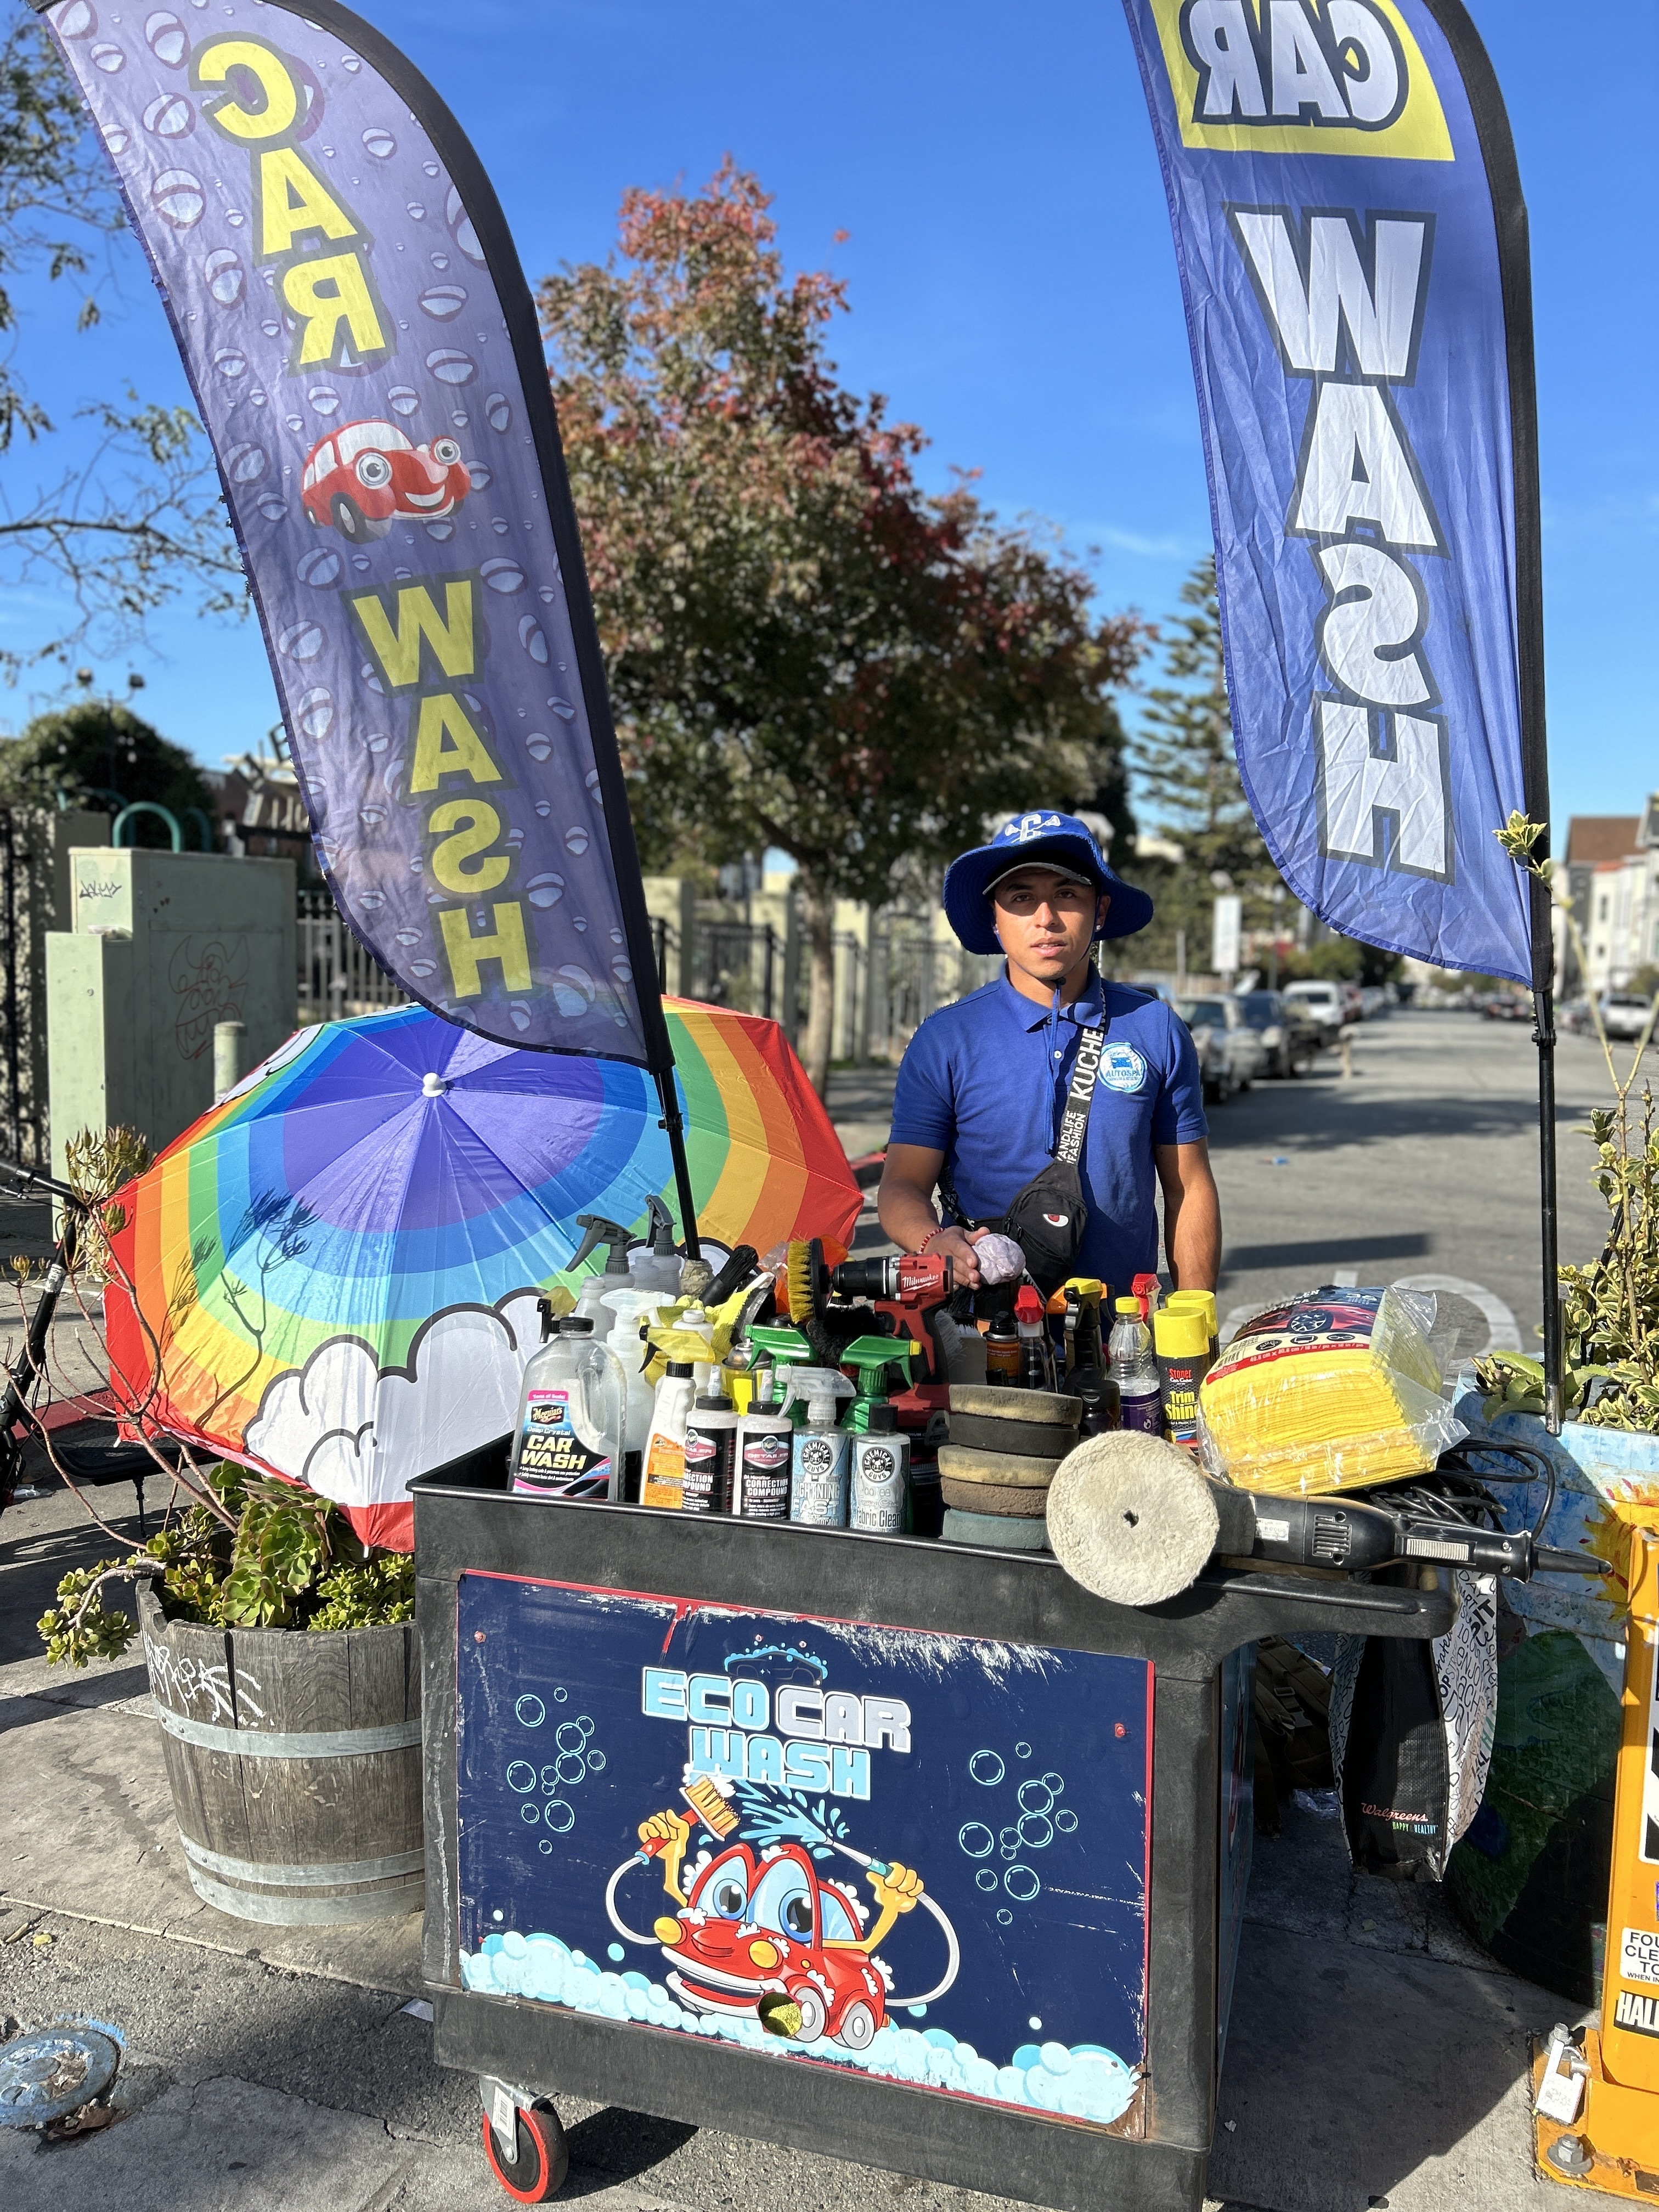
(984, 1081)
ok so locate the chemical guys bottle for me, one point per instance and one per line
(879, 1487)
(819, 1452)
(569, 1439)
(662, 1481)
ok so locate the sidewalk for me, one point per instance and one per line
(1373, 2053)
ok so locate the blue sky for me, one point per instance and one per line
(1012, 286)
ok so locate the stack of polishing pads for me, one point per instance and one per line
(1004, 1449)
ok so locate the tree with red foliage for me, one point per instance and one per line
(805, 649)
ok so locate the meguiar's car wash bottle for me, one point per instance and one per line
(571, 1415)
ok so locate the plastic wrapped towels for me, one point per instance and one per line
(1333, 1390)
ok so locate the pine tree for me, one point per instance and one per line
(1183, 753)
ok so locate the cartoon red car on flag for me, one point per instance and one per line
(363, 477)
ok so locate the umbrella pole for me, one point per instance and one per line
(1543, 1037)
(674, 1123)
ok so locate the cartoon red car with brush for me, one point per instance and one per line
(764, 1933)
(364, 475)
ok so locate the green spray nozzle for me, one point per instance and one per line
(787, 1347)
(601, 1231)
(873, 1356)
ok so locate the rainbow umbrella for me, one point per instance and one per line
(333, 1274)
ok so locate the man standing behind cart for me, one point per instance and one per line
(985, 1092)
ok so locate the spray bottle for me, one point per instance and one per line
(590, 1302)
(662, 1481)
(656, 1265)
(1036, 1354)
(569, 1439)
(635, 1310)
(820, 1451)
(878, 1488)
(1181, 1339)
(1149, 1289)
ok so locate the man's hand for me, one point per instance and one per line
(909, 1176)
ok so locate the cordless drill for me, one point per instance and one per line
(907, 1287)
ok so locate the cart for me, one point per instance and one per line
(891, 1850)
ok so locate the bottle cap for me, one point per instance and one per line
(1181, 1332)
(1028, 1306)
(1195, 1302)
(882, 1421)
(715, 1403)
(1129, 1308)
(679, 1370)
(1002, 1324)
(576, 1325)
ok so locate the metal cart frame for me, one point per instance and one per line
(464, 1521)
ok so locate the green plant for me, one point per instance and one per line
(1611, 1307)
(273, 1556)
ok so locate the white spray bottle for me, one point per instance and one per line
(635, 1310)
(819, 1458)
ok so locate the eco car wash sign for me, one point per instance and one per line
(364, 353)
(1335, 235)
(922, 1856)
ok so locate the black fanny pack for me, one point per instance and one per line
(1046, 1217)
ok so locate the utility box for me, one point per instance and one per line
(161, 947)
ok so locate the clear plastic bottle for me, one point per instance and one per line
(656, 1265)
(1134, 1369)
(571, 1416)
(634, 1311)
(821, 1451)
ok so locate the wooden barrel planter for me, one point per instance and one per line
(294, 1761)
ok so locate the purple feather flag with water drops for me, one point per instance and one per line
(365, 356)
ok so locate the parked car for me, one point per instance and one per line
(1508, 1007)
(1624, 1013)
(1290, 1036)
(1322, 1001)
(1373, 1001)
(1235, 1055)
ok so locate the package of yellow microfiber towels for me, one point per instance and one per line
(1332, 1390)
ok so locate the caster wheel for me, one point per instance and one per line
(541, 2157)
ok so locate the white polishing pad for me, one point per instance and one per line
(1132, 1518)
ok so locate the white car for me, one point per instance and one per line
(1321, 1000)
(1625, 1014)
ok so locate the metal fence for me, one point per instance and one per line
(739, 964)
(337, 977)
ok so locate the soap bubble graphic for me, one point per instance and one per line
(615, 1951)
(559, 1816)
(1085, 2082)
(402, 400)
(443, 302)
(586, 1725)
(521, 1777)
(1054, 1784)
(78, 20)
(532, 1813)
(976, 1839)
(450, 365)
(498, 412)
(571, 1736)
(530, 1711)
(1022, 1751)
(501, 573)
(987, 1769)
(1021, 1884)
(1036, 1832)
(231, 362)
(545, 1848)
(1036, 1797)
(315, 712)
(1004, 1918)
(246, 464)
(381, 144)
(545, 890)
(320, 567)
(985, 1877)
(596, 1762)
(531, 638)
(1065, 1822)
(576, 840)
(559, 1696)
(109, 58)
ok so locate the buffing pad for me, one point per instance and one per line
(1132, 1518)
(966, 1465)
(992, 1534)
(1002, 1500)
(986, 1399)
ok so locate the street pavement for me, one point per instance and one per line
(1376, 2057)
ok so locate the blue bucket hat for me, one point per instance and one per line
(1036, 840)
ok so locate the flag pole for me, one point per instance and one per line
(1515, 270)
